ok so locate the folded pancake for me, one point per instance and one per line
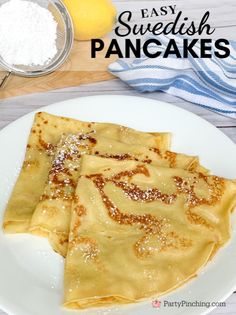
(52, 215)
(45, 134)
(139, 230)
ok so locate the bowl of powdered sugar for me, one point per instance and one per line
(36, 37)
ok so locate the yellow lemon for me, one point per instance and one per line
(91, 18)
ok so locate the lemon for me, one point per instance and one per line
(91, 18)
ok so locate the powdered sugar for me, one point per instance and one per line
(28, 33)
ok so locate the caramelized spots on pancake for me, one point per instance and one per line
(85, 136)
(48, 147)
(59, 168)
(80, 210)
(142, 251)
(148, 195)
(73, 235)
(146, 222)
(171, 157)
(58, 194)
(118, 157)
(30, 163)
(133, 191)
(167, 155)
(140, 169)
(156, 150)
(203, 176)
(216, 190)
(174, 241)
(148, 161)
(92, 140)
(58, 165)
(194, 218)
(149, 224)
(63, 241)
(59, 174)
(148, 244)
(63, 175)
(28, 146)
(123, 157)
(63, 182)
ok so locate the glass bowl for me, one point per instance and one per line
(64, 42)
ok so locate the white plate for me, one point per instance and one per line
(31, 274)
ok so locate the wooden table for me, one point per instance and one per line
(223, 18)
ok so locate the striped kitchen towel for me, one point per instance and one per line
(210, 83)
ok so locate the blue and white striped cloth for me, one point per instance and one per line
(210, 83)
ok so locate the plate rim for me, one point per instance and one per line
(53, 106)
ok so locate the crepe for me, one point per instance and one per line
(139, 230)
(52, 215)
(44, 136)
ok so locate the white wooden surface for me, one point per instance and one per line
(223, 18)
